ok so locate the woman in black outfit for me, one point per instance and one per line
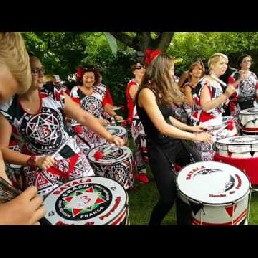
(165, 147)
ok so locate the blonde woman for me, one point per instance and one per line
(210, 95)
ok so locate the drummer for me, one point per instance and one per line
(209, 101)
(246, 95)
(91, 94)
(38, 119)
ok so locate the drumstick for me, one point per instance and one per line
(10, 193)
(107, 149)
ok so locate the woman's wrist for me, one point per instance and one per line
(109, 138)
(226, 96)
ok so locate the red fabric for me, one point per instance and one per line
(129, 101)
(150, 54)
(56, 171)
(204, 116)
(79, 74)
(108, 98)
(247, 165)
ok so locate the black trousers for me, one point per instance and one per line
(161, 160)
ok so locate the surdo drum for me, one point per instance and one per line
(241, 152)
(88, 201)
(113, 162)
(249, 120)
(217, 193)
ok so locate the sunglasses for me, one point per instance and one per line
(38, 70)
(139, 67)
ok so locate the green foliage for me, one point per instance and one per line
(60, 52)
(192, 45)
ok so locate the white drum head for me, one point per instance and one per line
(238, 144)
(86, 201)
(213, 182)
(110, 154)
(116, 130)
(250, 111)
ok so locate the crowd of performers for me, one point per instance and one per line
(48, 131)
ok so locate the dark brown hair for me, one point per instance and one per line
(158, 78)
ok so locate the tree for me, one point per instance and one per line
(140, 41)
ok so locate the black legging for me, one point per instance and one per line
(161, 164)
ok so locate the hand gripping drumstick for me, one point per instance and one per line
(9, 192)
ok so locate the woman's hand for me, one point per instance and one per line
(203, 137)
(45, 162)
(25, 209)
(198, 128)
(118, 141)
(118, 118)
(104, 122)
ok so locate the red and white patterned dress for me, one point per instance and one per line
(45, 133)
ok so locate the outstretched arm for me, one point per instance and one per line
(74, 111)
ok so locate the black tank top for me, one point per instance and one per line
(152, 133)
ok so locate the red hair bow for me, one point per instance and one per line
(79, 72)
(150, 54)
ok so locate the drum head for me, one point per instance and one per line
(110, 154)
(249, 111)
(213, 182)
(238, 144)
(86, 201)
(116, 130)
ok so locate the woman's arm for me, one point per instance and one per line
(74, 111)
(207, 103)
(5, 131)
(147, 100)
(189, 96)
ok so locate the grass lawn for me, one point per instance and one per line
(144, 197)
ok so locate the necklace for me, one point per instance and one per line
(218, 80)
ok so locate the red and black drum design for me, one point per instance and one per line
(88, 201)
(113, 162)
(118, 131)
(241, 152)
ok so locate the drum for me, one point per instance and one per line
(218, 194)
(114, 162)
(249, 120)
(88, 201)
(241, 152)
(118, 131)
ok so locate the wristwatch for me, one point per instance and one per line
(31, 162)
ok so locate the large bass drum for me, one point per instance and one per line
(217, 194)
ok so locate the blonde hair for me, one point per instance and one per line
(215, 58)
(13, 54)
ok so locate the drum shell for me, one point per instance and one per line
(249, 120)
(120, 170)
(227, 203)
(242, 156)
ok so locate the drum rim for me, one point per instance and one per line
(216, 204)
(248, 183)
(124, 207)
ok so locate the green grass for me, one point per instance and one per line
(143, 198)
